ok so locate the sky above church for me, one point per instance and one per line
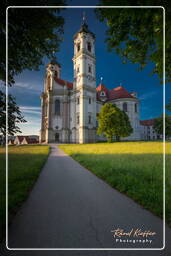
(29, 84)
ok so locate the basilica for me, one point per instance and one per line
(70, 109)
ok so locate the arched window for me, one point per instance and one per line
(78, 69)
(57, 107)
(89, 46)
(89, 119)
(125, 107)
(56, 73)
(136, 107)
(78, 47)
(89, 69)
(78, 119)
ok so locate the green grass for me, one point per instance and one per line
(25, 163)
(134, 168)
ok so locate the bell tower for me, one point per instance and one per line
(85, 84)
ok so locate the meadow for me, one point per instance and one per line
(133, 168)
(24, 165)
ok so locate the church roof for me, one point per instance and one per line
(102, 87)
(84, 28)
(119, 92)
(54, 62)
(148, 122)
(115, 93)
(64, 82)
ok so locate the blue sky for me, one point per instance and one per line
(29, 84)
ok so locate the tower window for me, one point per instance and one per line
(57, 107)
(78, 47)
(78, 119)
(136, 107)
(125, 108)
(78, 69)
(89, 69)
(56, 74)
(89, 100)
(89, 119)
(89, 46)
(78, 101)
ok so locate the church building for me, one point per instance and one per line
(70, 109)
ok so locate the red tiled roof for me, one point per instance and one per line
(115, 93)
(119, 92)
(148, 122)
(102, 88)
(20, 138)
(11, 140)
(64, 82)
(31, 140)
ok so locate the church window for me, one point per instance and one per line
(89, 100)
(78, 119)
(89, 46)
(89, 119)
(78, 100)
(78, 69)
(89, 69)
(57, 107)
(56, 74)
(102, 93)
(125, 108)
(136, 107)
(78, 47)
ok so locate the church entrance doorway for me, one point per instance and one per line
(57, 137)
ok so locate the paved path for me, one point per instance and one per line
(69, 207)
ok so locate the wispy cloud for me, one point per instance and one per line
(32, 115)
(31, 110)
(147, 95)
(30, 86)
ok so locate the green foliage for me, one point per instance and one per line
(33, 33)
(168, 106)
(21, 176)
(134, 168)
(14, 115)
(158, 125)
(136, 34)
(113, 122)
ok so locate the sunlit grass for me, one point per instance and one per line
(25, 163)
(134, 168)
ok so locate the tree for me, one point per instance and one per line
(33, 33)
(113, 122)
(136, 35)
(158, 125)
(168, 106)
(14, 115)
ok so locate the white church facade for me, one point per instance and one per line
(70, 110)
